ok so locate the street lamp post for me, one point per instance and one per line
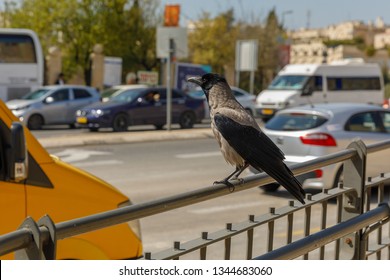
(284, 13)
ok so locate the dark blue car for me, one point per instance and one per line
(141, 106)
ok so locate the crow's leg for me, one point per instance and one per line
(240, 170)
(236, 173)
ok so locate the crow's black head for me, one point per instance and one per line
(207, 81)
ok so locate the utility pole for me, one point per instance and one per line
(172, 50)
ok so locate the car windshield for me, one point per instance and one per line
(295, 121)
(109, 92)
(288, 82)
(127, 96)
(35, 94)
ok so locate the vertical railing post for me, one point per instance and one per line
(44, 244)
(34, 249)
(353, 202)
(49, 247)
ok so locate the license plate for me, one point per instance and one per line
(81, 120)
(267, 111)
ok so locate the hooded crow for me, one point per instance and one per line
(240, 138)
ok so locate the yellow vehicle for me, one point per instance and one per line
(34, 183)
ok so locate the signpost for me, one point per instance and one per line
(171, 44)
(246, 59)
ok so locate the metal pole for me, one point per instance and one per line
(169, 89)
(252, 82)
(238, 63)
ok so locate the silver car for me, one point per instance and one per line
(305, 133)
(55, 104)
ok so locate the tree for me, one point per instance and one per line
(270, 41)
(213, 41)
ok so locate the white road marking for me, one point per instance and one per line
(97, 163)
(198, 155)
(74, 155)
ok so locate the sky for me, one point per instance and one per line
(296, 14)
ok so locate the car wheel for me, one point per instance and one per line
(339, 178)
(187, 120)
(158, 126)
(35, 122)
(120, 123)
(273, 187)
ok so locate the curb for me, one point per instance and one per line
(125, 137)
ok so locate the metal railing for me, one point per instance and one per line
(37, 240)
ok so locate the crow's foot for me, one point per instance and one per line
(240, 180)
(226, 183)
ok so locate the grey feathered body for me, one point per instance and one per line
(221, 100)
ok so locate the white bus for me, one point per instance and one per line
(21, 62)
(341, 81)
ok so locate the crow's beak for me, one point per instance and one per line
(196, 80)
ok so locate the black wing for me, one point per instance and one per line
(259, 151)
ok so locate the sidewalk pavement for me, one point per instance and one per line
(124, 137)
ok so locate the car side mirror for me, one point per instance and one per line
(307, 91)
(18, 160)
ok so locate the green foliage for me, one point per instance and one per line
(357, 41)
(370, 51)
(213, 41)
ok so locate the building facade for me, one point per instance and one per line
(338, 41)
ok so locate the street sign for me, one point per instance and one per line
(147, 77)
(179, 36)
(246, 55)
(246, 60)
(112, 71)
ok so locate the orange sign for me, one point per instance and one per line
(172, 15)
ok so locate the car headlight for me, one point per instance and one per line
(134, 224)
(99, 112)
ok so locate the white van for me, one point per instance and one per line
(341, 81)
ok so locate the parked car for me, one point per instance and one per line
(56, 104)
(308, 132)
(109, 92)
(141, 106)
(247, 100)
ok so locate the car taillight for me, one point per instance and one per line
(318, 173)
(318, 139)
